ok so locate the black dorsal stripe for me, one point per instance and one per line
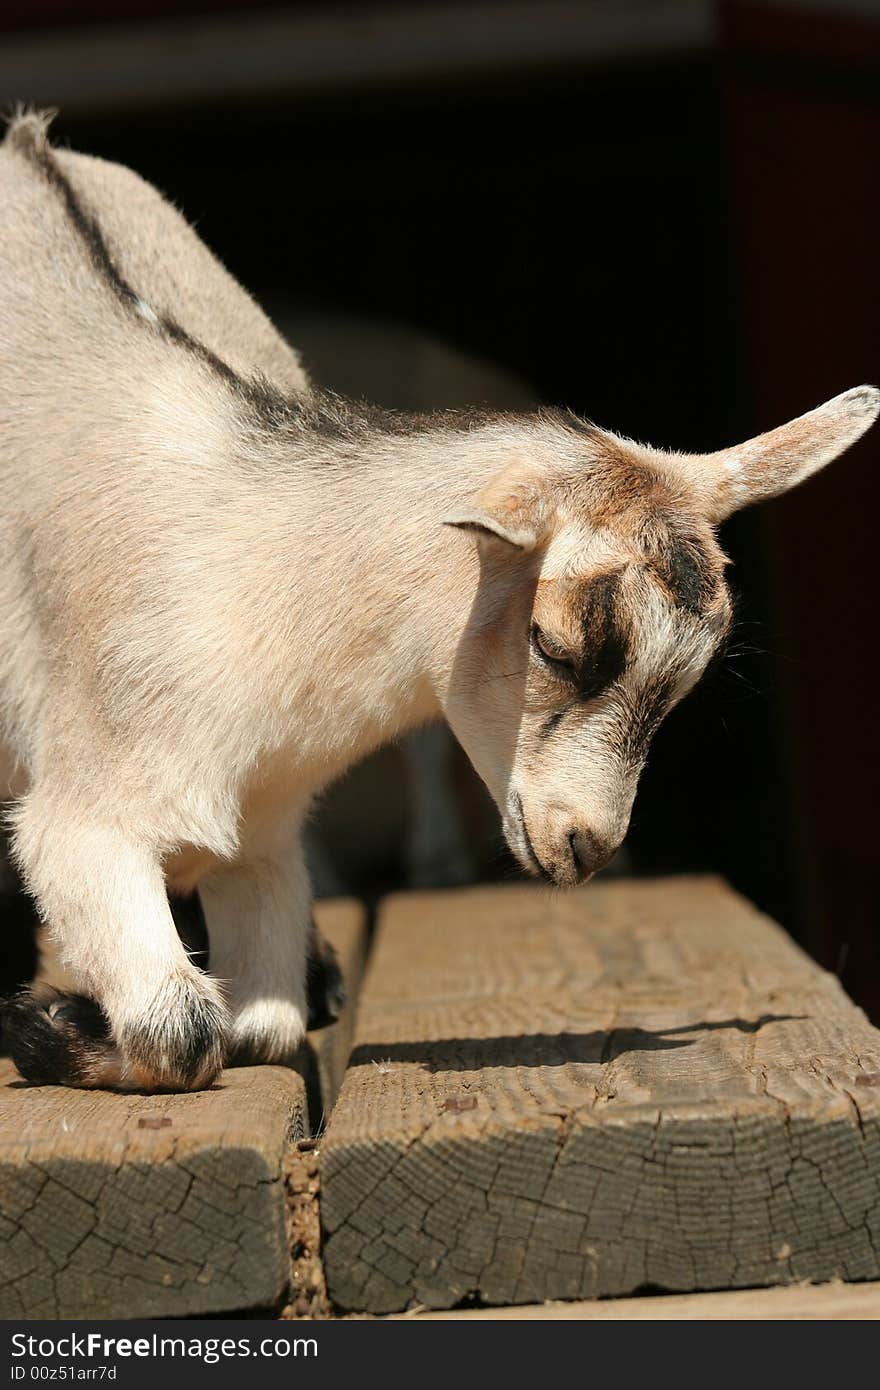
(270, 403)
(86, 227)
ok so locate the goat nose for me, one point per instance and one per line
(590, 854)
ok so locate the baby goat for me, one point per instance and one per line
(220, 588)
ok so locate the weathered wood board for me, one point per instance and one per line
(158, 1206)
(800, 1303)
(638, 1085)
(136, 1206)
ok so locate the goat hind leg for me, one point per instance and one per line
(261, 944)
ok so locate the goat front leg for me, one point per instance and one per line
(258, 913)
(145, 1018)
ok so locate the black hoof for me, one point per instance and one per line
(325, 986)
(179, 1048)
(55, 1039)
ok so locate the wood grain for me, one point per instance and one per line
(159, 1206)
(635, 1085)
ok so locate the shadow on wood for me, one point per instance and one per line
(546, 1049)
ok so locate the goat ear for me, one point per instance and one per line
(485, 525)
(772, 463)
(512, 508)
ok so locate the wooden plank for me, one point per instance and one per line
(804, 1302)
(158, 1206)
(121, 1206)
(570, 1096)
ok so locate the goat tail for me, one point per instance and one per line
(27, 129)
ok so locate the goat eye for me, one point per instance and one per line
(549, 652)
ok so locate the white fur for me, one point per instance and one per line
(205, 616)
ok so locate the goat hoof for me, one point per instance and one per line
(266, 1031)
(325, 985)
(179, 1043)
(58, 1039)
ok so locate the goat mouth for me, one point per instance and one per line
(531, 854)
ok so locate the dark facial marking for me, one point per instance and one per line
(552, 722)
(682, 563)
(606, 639)
(691, 579)
(644, 714)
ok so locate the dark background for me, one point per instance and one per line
(663, 215)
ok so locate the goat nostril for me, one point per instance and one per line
(588, 852)
(572, 845)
